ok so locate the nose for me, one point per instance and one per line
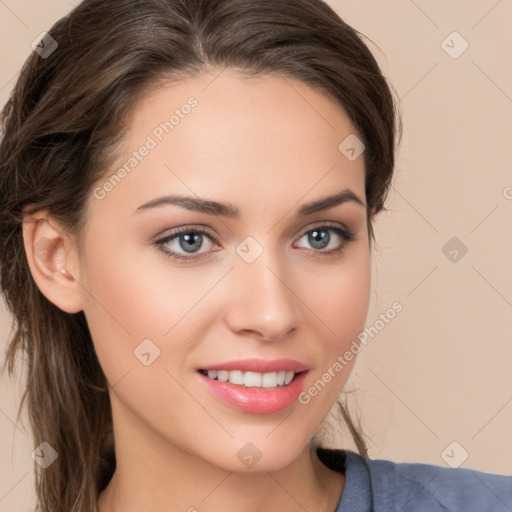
(261, 299)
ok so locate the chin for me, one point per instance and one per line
(267, 452)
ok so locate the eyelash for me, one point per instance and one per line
(346, 235)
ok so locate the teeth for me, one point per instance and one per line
(223, 375)
(269, 380)
(252, 379)
(288, 378)
(236, 377)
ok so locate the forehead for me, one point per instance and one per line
(227, 100)
(231, 136)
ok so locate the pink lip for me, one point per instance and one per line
(259, 365)
(256, 400)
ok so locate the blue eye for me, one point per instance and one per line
(188, 240)
(320, 237)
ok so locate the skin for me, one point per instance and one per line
(265, 145)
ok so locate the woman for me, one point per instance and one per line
(188, 192)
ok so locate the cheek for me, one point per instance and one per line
(132, 296)
(339, 297)
(340, 302)
(350, 311)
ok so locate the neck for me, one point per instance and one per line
(153, 474)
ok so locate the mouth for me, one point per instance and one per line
(252, 379)
(255, 386)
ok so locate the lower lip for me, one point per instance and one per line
(257, 400)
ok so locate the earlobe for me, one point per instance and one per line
(52, 259)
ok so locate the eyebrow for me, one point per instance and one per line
(228, 210)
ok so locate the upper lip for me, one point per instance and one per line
(259, 365)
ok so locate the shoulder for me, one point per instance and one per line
(382, 485)
(418, 487)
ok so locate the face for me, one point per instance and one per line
(245, 278)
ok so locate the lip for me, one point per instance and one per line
(256, 400)
(259, 365)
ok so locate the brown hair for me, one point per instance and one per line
(59, 133)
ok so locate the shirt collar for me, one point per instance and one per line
(357, 493)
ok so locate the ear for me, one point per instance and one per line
(53, 260)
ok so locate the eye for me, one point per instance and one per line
(321, 238)
(186, 241)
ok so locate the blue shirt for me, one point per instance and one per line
(383, 486)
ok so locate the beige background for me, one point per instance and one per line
(440, 371)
